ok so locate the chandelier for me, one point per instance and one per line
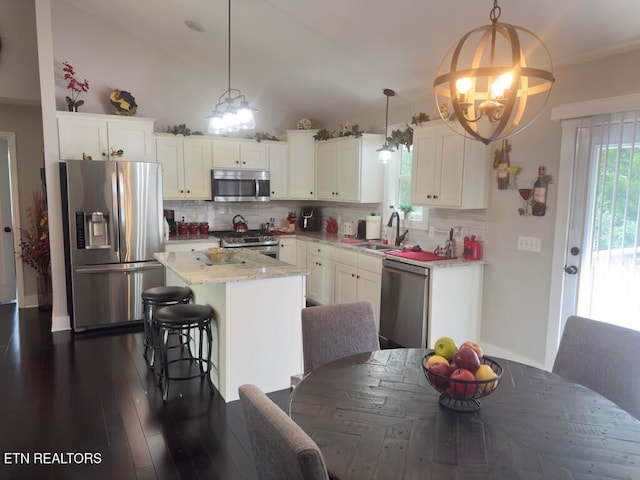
(499, 78)
(232, 113)
(384, 152)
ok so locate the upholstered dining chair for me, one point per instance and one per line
(330, 332)
(281, 449)
(603, 357)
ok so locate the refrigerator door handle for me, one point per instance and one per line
(115, 214)
(122, 214)
(257, 188)
(118, 267)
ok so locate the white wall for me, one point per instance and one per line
(19, 82)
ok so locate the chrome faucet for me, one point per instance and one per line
(399, 238)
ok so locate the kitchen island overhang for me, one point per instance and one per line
(258, 302)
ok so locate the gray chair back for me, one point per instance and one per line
(330, 332)
(281, 449)
(603, 357)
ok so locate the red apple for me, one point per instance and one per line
(437, 372)
(475, 347)
(461, 390)
(467, 358)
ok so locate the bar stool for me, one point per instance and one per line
(185, 319)
(153, 298)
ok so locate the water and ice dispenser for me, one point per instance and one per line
(92, 230)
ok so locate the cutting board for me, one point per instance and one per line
(421, 256)
(353, 240)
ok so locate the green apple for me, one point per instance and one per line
(445, 347)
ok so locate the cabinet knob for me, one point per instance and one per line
(7, 229)
(104, 154)
(181, 191)
(428, 196)
(244, 163)
(188, 191)
(435, 196)
(311, 193)
(272, 192)
(353, 274)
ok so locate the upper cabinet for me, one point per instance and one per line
(302, 178)
(237, 153)
(97, 136)
(448, 170)
(186, 166)
(279, 170)
(347, 169)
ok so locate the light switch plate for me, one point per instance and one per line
(529, 244)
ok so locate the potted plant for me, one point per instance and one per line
(75, 86)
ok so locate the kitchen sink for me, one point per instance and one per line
(378, 246)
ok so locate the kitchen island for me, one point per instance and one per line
(257, 301)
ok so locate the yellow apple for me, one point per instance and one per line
(436, 358)
(484, 372)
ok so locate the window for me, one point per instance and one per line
(400, 191)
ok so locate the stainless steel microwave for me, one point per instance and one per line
(240, 185)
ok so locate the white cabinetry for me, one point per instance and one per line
(448, 170)
(287, 250)
(321, 266)
(186, 166)
(448, 316)
(279, 170)
(237, 153)
(301, 164)
(358, 279)
(347, 169)
(96, 136)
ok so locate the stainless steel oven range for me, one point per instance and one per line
(257, 240)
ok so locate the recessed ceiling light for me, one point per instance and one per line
(195, 26)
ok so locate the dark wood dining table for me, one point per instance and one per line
(375, 416)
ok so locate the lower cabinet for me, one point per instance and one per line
(321, 266)
(358, 279)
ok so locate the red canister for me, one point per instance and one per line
(472, 248)
(193, 228)
(183, 228)
(204, 228)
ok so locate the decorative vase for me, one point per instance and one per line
(72, 108)
(44, 292)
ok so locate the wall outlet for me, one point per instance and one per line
(432, 232)
(529, 244)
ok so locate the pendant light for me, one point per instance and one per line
(499, 78)
(232, 113)
(384, 153)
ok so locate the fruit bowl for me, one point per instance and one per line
(219, 254)
(463, 395)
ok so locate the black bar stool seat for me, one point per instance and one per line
(185, 319)
(153, 298)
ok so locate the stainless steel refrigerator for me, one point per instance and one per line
(112, 219)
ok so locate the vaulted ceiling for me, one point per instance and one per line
(323, 54)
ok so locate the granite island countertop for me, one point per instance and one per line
(196, 269)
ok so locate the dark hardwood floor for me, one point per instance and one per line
(65, 394)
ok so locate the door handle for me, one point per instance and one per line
(571, 269)
(7, 229)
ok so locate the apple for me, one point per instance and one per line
(445, 347)
(484, 372)
(436, 358)
(467, 358)
(438, 371)
(475, 347)
(461, 390)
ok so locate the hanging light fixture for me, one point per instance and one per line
(232, 113)
(384, 153)
(491, 82)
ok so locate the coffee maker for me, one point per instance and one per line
(170, 215)
(310, 219)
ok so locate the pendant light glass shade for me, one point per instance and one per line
(384, 153)
(495, 81)
(232, 113)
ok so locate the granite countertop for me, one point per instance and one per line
(195, 269)
(335, 240)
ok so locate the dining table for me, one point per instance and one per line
(375, 416)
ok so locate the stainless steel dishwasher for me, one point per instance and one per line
(404, 307)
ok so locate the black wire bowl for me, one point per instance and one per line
(463, 395)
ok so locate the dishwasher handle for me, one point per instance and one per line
(405, 267)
